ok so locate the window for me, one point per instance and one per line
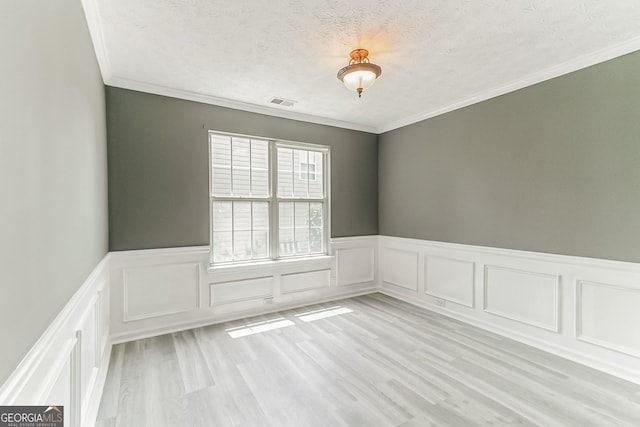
(308, 171)
(269, 199)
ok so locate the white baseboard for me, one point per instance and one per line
(69, 362)
(582, 309)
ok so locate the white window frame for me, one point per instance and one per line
(274, 200)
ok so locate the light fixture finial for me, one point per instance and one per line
(360, 74)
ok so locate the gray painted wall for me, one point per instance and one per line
(551, 168)
(53, 178)
(158, 168)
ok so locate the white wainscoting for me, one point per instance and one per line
(399, 267)
(240, 290)
(598, 324)
(450, 279)
(523, 296)
(355, 265)
(68, 364)
(579, 308)
(300, 282)
(161, 290)
(167, 285)
(583, 309)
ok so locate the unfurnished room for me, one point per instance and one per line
(319, 213)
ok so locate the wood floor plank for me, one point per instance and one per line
(285, 398)
(106, 422)
(370, 360)
(132, 392)
(111, 391)
(193, 368)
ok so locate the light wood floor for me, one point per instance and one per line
(365, 361)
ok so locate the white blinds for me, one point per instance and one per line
(240, 167)
(249, 221)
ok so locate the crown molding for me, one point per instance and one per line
(94, 22)
(561, 69)
(564, 68)
(131, 84)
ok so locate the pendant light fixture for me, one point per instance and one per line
(360, 74)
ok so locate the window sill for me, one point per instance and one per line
(301, 262)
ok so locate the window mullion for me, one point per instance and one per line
(309, 227)
(240, 199)
(251, 170)
(233, 230)
(231, 166)
(287, 199)
(308, 173)
(274, 235)
(295, 240)
(293, 172)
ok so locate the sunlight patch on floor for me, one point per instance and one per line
(323, 313)
(259, 327)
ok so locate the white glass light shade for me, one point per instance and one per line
(359, 79)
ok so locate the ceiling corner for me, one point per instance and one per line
(92, 16)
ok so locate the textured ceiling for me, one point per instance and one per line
(436, 55)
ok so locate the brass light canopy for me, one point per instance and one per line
(360, 74)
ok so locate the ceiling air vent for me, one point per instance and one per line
(281, 101)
